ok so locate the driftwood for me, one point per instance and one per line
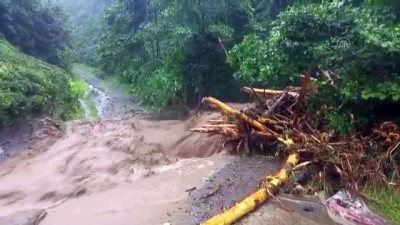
(268, 92)
(273, 124)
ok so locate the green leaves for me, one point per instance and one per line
(308, 35)
(390, 89)
(157, 89)
(29, 86)
(176, 51)
(223, 30)
(39, 30)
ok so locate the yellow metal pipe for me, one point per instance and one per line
(257, 198)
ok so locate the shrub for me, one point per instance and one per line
(29, 87)
(308, 35)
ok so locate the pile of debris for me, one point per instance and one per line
(280, 122)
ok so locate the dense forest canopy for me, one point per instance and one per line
(174, 52)
(37, 28)
(180, 49)
(86, 26)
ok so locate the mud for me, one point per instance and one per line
(28, 217)
(236, 181)
(96, 156)
(110, 101)
(146, 201)
(131, 171)
(27, 136)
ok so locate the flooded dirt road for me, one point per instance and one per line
(240, 178)
(131, 171)
(96, 156)
(124, 169)
(146, 201)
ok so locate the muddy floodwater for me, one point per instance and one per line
(146, 201)
(122, 168)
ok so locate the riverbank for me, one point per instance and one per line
(110, 85)
(124, 168)
(131, 171)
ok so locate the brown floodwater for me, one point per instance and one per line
(133, 171)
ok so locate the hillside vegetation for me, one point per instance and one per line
(187, 50)
(37, 28)
(30, 87)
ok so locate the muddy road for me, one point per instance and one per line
(122, 168)
(110, 101)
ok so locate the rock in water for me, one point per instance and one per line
(28, 217)
(346, 210)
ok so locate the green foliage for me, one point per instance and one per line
(174, 50)
(78, 87)
(79, 90)
(86, 26)
(156, 87)
(85, 67)
(306, 36)
(386, 201)
(30, 87)
(37, 29)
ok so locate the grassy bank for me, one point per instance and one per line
(80, 89)
(114, 81)
(30, 87)
(385, 201)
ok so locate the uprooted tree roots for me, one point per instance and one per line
(275, 123)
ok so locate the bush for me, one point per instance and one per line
(29, 87)
(38, 29)
(308, 35)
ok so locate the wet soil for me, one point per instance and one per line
(25, 137)
(96, 156)
(231, 184)
(27, 217)
(110, 101)
(239, 179)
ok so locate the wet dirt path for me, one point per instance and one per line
(110, 101)
(239, 179)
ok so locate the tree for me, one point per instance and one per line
(86, 26)
(173, 49)
(37, 29)
(368, 68)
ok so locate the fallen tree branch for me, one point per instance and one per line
(232, 133)
(212, 192)
(269, 92)
(233, 112)
(217, 121)
(348, 161)
(303, 91)
(219, 126)
(277, 103)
